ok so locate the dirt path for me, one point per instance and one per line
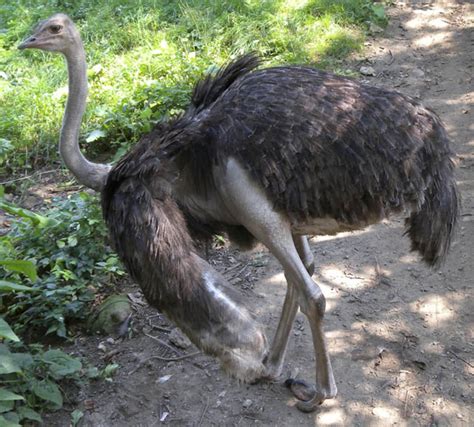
(400, 335)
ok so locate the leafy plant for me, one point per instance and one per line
(28, 379)
(68, 247)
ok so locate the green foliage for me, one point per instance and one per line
(66, 247)
(28, 378)
(146, 55)
(29, 381)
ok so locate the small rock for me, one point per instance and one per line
(110, 340)
(163, 379)
(178, 339)
(247, 403)
(367, 71)
(102, 347)
(417, 73)
(374, 29)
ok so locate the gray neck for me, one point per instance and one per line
(90, 174)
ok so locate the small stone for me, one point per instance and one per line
(247, 403)
(163, 379)
(178, 339)
(110, 340)
(417, 73)
(367, 71)
(374, 29)
(102, 347)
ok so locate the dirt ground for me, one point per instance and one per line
(400, 335)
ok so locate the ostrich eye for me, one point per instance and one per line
(55, 29)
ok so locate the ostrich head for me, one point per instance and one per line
(56, 34)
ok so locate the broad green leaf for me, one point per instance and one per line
(21, 266)
(23, 360)
(7, 332)
(7, 395)
(27, 413)
(92, 372)
(11, 419)
(6, 405)
(49, 391)
(38, 220)
(109, 370)
(61, 364)
(10, 287)
(379, 11)
(8, 364)
(95, 135)
(72, 241)
(7, 423)
(76, 416)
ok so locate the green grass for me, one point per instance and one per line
(145, 56)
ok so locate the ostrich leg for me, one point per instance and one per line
(276, 356)
(250, 205)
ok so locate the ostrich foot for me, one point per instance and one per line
(273, 370)
(309, 398)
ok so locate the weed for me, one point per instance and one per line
(67, 246)
(29, 375)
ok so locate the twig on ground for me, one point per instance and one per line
(11, 181)
(165, 359)
(159, 328)
(203, 413)
(405, 410)
(163, 343)
(460, 358)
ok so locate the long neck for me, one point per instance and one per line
(90, 174)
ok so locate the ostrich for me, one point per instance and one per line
(269, 154)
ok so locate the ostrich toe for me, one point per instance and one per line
(308, 397)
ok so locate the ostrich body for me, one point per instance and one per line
(272, 155)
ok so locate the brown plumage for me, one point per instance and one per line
(321, 145)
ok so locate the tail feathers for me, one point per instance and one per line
(212, 86)
(432, 226)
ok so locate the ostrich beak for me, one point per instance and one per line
(30, 42)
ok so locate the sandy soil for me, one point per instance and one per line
(400, 335)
